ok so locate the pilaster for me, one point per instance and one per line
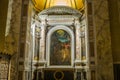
(103, 40)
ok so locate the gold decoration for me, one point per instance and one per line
(40, 5)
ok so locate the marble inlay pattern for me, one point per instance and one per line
(103, 40)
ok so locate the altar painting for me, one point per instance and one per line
(60, 48)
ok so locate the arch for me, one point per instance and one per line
(48, 40)
(61, 10)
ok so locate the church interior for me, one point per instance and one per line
(59, 40)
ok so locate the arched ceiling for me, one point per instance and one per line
(40, 5)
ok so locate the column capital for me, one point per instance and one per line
(76, 22)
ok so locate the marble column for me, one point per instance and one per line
(103, 40)
(78, 40)
(42, 40)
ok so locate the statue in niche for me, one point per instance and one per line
(60, 48)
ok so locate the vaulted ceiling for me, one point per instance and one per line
(40, 5)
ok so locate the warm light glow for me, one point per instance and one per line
(62, 3)
(39, 5)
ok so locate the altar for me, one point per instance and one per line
(59, 39)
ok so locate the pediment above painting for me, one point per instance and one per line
(60, 10)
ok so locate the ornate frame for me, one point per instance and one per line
(67, 29)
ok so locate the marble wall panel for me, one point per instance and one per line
(103, 40)
(3, 17)
(12, 38)
(114, 9)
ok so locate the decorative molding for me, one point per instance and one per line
(57, 27)
(61, 10)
